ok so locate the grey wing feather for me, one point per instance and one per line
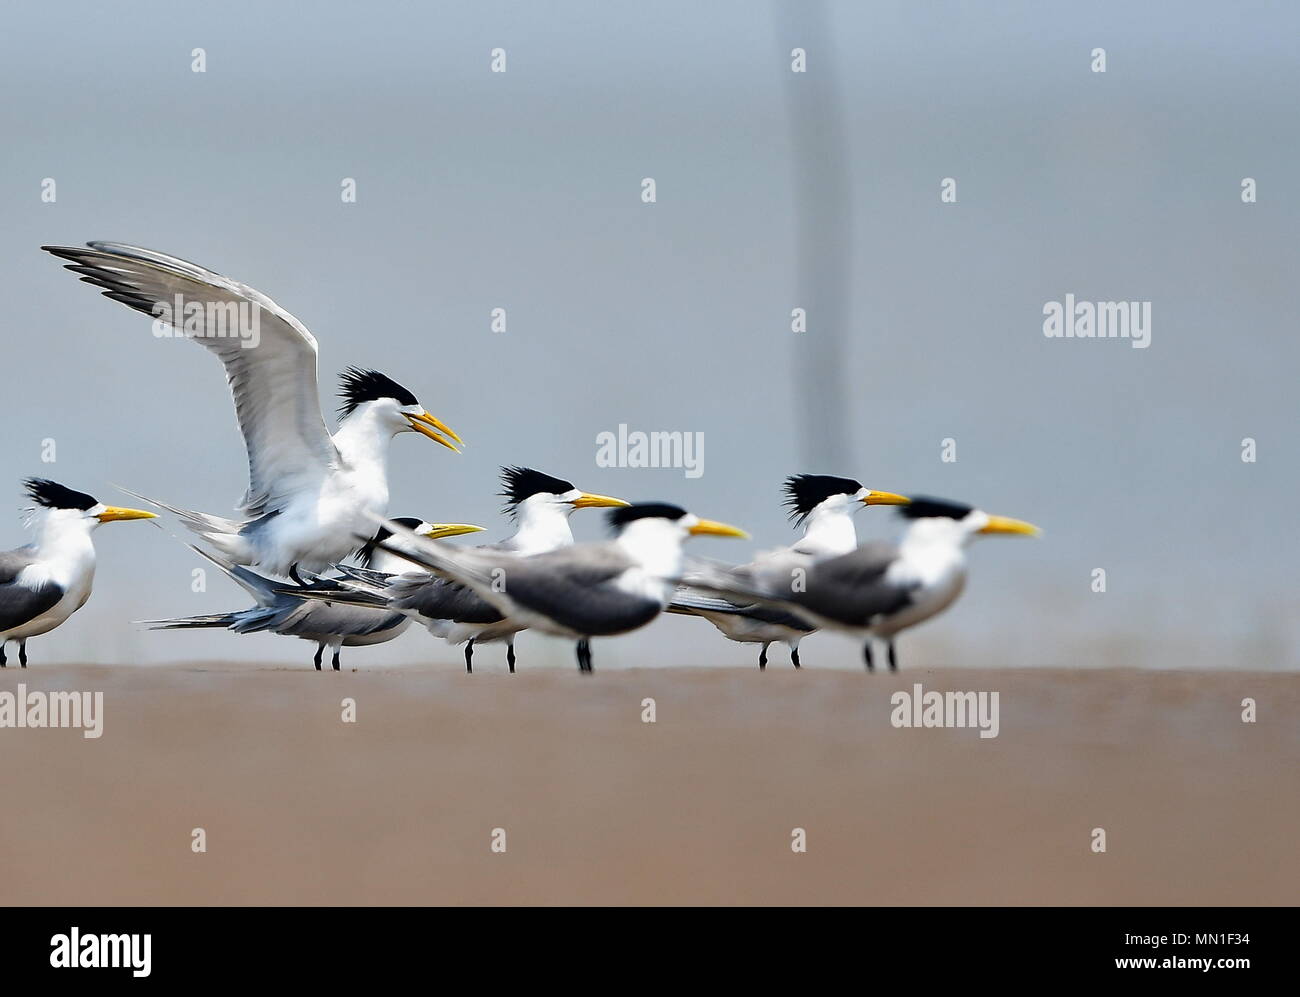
(571, 587)
(440, 599)
(21, 604)
(853, 589)
(319, 619)
(689, 602)
(12, 562)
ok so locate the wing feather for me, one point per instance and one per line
(277, 400)
(19, 603)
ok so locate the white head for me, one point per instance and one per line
(376, 558)
(542, 504)
(810, 495)
(653, 532)
(384, 402)
(824, 505)
(952, 523)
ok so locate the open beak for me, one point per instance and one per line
(435, 429)
(112, 514)
(1004, 524)
(440, 531)
(885, 498)
(589, 501)
(709, 528)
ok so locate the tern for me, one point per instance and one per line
(327, 624)
(44, 583)
(878, 589)
(824, 505)
(308, 493)
(541, 506)
(587, 590)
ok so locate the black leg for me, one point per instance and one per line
(794, 655)
(762, 658)
(320, 649)
(469, 656)
(22, 653)
(3, 660)
(510, 656)
(866, 655)
(335, 660)
(893, 658)
(584, 655)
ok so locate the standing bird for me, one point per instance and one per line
(586, 590)
(327, 624)
(309, 493)
(44, 583)
(824, 505)
(878, 589)
(541, 506)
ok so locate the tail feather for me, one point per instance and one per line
(222, 533)
(343, 595)
(726, 583)
(261, 588)
(222, 620)
(690, 602)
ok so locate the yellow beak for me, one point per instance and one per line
(438, 531)
(1004, 524)
(707, 527)
(435, 429)
(112, 514)
(589, 501)
(885, 498)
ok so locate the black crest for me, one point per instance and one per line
(367, 553)
(357, 386)
(804, 492)
(519, 483)
(618, 518)
(933, 508)
(53, 495)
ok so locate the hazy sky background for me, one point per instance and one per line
(522, 190)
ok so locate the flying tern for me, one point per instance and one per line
(309, 492)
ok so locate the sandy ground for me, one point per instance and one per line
(699, 807)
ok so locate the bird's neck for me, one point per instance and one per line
(655, 546)
(829, 532)
(63, 544)
(934, 546)
(389, 563)
(362, 441)
(541, 528)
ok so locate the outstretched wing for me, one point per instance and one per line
(272, 374)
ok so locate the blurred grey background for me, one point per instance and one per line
(522, 190)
